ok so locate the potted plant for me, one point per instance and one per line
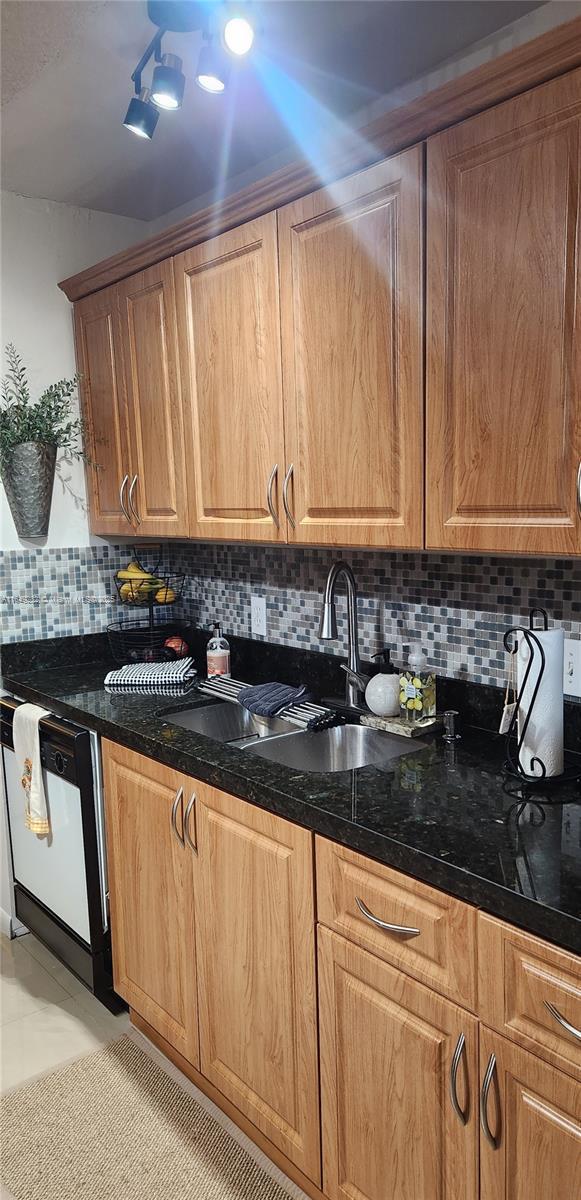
(31, 434)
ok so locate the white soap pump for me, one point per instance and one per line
(382, 691)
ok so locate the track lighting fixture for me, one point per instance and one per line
(213, 69)
(142, 116)
(168, 83)
(223, 33)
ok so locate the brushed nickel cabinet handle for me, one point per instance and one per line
(174, 811)
(404, 931)
(269, 488)
(124, 483)
(131, 504)
(485, 1089)
(187, 815)
(579, 488)
(576, 1033)
(287, 510)
(454, 1066)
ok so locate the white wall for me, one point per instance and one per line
(43, 242)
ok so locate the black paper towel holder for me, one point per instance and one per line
(513, 767)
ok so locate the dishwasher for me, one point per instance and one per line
(60, 881)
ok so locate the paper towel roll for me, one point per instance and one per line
(544, 735)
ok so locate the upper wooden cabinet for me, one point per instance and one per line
(104, 404)
(229, 331)
(503, 327)
(352, 319)
(156, 494)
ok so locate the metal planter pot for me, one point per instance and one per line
(28, 478)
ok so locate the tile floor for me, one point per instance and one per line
(47, 1017)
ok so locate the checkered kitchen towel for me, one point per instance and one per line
(165, 679)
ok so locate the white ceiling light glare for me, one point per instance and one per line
(238, 35)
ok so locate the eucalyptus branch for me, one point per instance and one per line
(51, 419)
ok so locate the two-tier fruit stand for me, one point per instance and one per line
(140, 585)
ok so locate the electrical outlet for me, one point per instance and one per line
(258, 616)
(572, 668)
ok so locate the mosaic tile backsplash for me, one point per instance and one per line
(457, 607)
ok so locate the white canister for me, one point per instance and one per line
(382, 691)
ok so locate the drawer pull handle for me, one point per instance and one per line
(576, 1033)
(174, 812)
(485, 1089)
(187, 815)
(404, 931)
(459, 1051)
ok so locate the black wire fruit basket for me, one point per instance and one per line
(139, 585)
(139, 641)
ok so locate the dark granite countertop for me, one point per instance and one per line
(442, 814)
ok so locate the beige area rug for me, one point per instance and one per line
(116, 1126)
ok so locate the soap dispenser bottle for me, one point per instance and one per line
(382, 691)
(417, 688)
(217, 654)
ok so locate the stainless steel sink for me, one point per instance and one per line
(343, 748)
(227, 722)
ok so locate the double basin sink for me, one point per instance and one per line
(341, 748)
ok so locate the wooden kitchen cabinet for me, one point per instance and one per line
(229, 332)
(352, 322)
(156, 493)
(389, 1129)
(150, 866)
(104, 406)
(256, 968)
(534, 1117)
(504, 327)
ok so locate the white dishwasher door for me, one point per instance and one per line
(51, 868)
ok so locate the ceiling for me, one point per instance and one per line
(66, 67)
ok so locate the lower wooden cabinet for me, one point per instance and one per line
(533, 1117)
(390, 1130)
(256, 965)
(150, 868)
(214, 940)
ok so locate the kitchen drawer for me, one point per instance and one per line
(442, 954)
(518, 976)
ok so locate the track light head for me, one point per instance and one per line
(168, 83)
(213, 69)
(142, 116)
(238, 35)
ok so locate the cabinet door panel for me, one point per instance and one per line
(102, 388)
(148, 329)
(351, 302)
(387, 1042)
(504, 333)
(228, 318)
(535, 1116)
(151, 894)
(256, 953)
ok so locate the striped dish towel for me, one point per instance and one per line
(166, 679)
